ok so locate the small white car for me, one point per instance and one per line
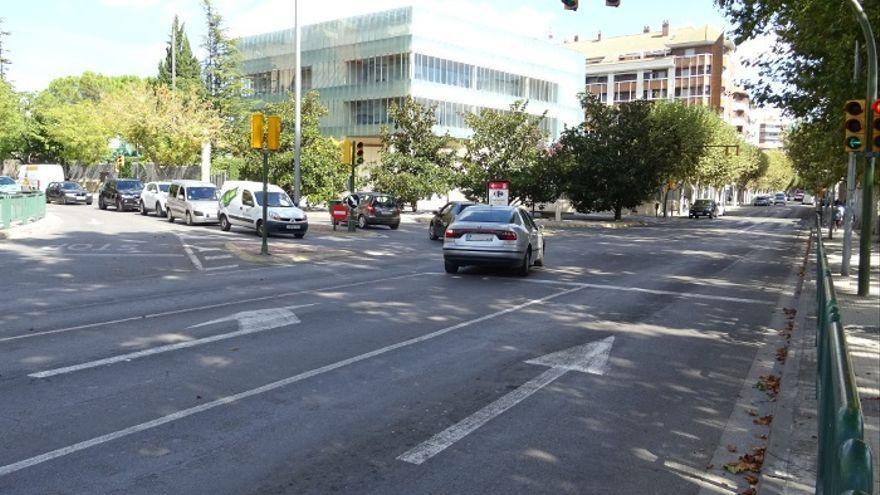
(241, 205)
(193, 200)
(153, 198)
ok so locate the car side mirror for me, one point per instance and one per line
(437, 212)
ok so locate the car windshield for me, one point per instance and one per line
(486, 216)
(276, 199)
(129, 184)
(164, 187)
(201, 193)
(701, 203)
(385, 201)
(70, 186)
(6, 181)
(780, 196)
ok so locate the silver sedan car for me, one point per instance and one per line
(494, 236)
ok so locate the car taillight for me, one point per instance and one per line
(453, 234)
(506, 235)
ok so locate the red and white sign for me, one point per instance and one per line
(339, 212)
(499, 193)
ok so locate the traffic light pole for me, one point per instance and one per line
(264, 249)
(868, 176)
(297, 137)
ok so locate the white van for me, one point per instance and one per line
(193, 200)
(37, 177)
(241, 205)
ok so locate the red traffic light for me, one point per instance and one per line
(876, 107)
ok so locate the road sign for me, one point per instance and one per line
(339, 212)
(499, 193)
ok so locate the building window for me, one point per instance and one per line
(377, 70)
(278, 81)
(371, 112)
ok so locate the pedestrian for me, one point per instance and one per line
(839, 212)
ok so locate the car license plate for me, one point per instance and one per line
(480, 237)
(293, 227)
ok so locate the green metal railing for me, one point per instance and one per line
(21, 208)
(844, 458)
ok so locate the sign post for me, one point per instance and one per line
(499, 193)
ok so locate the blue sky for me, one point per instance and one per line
(53, 38)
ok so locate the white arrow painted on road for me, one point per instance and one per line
(249, 322)
(588, 358)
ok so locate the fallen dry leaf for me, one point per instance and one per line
(752, 479)
(748, 491)
(731, 448)
(764, 420)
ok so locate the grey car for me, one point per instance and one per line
(494, 236)
(374, 208)
(445, 216)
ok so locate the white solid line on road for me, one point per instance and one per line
(207, 306)
(120, 254)
(48, 456)
(189, 252)
(218, 257)
(250, 322)
(218, 268)
(588, 358)
(685, 295)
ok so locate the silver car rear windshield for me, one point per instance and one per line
(487, 216)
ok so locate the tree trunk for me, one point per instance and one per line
(665, 202)
(618, 212)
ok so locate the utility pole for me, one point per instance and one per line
(297, 126)
(868, 176)
(174, 54)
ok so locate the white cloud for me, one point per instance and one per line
(138, 4)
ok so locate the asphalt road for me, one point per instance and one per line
(145, 357)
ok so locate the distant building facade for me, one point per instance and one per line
(361, 65)
(687, 64)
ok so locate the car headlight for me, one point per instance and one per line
(304, 217)
(274, 216)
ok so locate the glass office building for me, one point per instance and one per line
(360, 65)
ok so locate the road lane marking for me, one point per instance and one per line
(589, 358)
(218, 268)
(250, 322)
(125, 254)
(64, 451)
(685, 295)
(189, 252)
(218, 257)
(207, 306)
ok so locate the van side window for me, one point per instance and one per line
(181, 193)
(247, 198)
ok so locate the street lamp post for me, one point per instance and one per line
(297, 126)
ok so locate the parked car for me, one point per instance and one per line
(8, 185)
(124, 194)
(241, 205)
(67, 192)
(37, 177)
(762, 201)
(809, 199)
(798, 195)
(494, 235)
(192, 200)
(445, 216)
(374, 208)
(779, 199)
(703, 208)
(154, 197)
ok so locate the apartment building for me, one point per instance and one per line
(691, 64)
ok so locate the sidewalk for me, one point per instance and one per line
(791, 462)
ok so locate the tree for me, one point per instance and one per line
(168, 127)
(506, 145)
(4, 51)
(188, 69)
(323, 175)
(779, 172)
(611, 160)
(814, 37)
(814, 150)
(415, 161)
(12, 121)
(222, 71)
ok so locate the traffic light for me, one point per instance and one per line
(855, 126)
(359, 153)
(257, 131)
(273, 139)
(120, 163)
(612, 3)
(570, 4)
(875, 125)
